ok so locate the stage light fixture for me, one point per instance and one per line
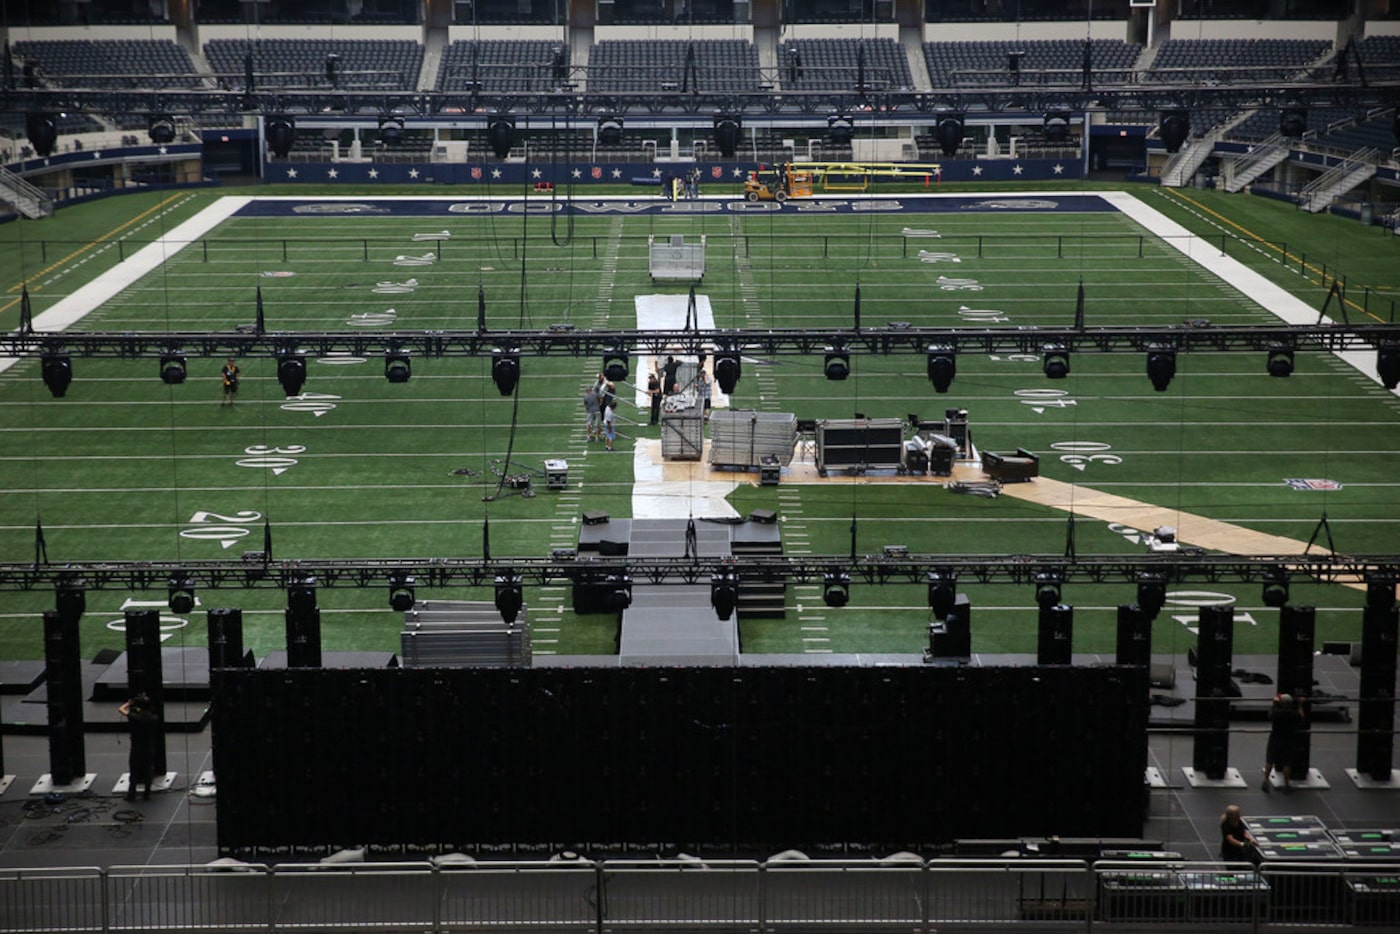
(610, 130)
(1275, 591)
(728, 368)
(1388, 364)
(391, 130)
(333, 68)
(1280, 360)
(505, 370)
(401, 592)
(57, 372)
(70, 598)
(161, 128)
(500, 134)
(281, 134)
(836, 364)
(942, 592)
(180, 593)
(1293, 122)
(1055, 361)
(942, 366)
(510, 596)
(836, 588)
(301, 596)
(840, 129)
(173, 368)
(291, 372)
(1057, 126)
(1047, 588)
(1151, 592)
(616, 366)
(724, 593)
(728, 129)
(1161, 366)
(949, 130)
(398, 367)
(1173, 126)
(42, 131)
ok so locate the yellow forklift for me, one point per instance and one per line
(778, 184)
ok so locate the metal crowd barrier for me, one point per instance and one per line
(904, 893)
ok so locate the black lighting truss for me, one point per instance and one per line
(253, 571)
(565, 340)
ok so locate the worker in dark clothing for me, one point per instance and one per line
(144, 718)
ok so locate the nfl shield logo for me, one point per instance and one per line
(1314, 484)
(476, 171)
(597, 172)
(716, 172)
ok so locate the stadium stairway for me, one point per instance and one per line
(670, 624)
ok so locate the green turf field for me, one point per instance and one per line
(128, 468)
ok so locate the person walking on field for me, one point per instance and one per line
(230, 375)
(593, 410)
(610, 423)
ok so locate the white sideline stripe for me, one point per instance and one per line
(76, 305)
(1271, 297)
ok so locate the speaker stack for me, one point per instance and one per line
(1134, 636)
(952, 637)
(64, 678)
(1375, 740)
(225, 635)
(1214, 654)
(1056, 636)
(144, 674)
(1296, 633)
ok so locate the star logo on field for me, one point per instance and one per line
(333, 173)
(412, 173)
(616, 173)
(976, 170)
(1016, 170)
(495, 173)
(577, 173)
(373, 173)
(291, 173)
(1058, 169)
(535, 173)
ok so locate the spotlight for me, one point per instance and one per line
(1056, 361)
(1151, 592)
(1057, 126)
(510, 596)
(1275, 587)
(505, 370)
(724, 593)
(397, 366)
(1293, 122)
(1280, 360)
(610, 131)
(1161, 366)
(70, 598)
(181, 594)
(615, 365)
(401, 593)
(942, 366)
(837, 364)
(161, 129)
(1174, 126)
(57, 371)
(500, 134)
(942, 592)
(391, 130)
(1013, 62)
(1387, 364)
(728, 128)
(836, 588)
(281, 134)
(42, 130)
(333, 69)
(1047, 588)
(728, 368)
(840, 129)
(291, 372)
(172, 368)
(949, 131)
(301, 596)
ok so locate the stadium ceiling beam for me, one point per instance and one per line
(470, 106)
(254, 572)
(565, 340)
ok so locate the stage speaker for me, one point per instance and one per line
(594, 517)
(763, 516)
(1056, 635)
(225, 638)
(952, 637)
(1134, 636)
(612, 548)
(1214, 654)
(64, 682)
(1296, 631)
(304, 638)
(143, 670)
(1375, 737)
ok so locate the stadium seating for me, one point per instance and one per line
(501, 65)
(1045, 62)
(833, 64)
(648, 65)
(1194, 61)
(384, 64)
(104, 63)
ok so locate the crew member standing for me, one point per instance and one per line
(144, 718)
(654, 394)
(230, 376)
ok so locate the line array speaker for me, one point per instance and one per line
(1056, 636)
(1297, 628)
(64, 678)
(225, 638)
(144, 674)
(1375, 737)
(1134, 636)
(304, 637)
(1214, 653)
